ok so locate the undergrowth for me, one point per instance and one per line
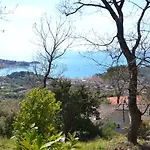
(97, 144)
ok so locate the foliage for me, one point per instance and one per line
(118, 140)
(8, 109)
(34, 141)
(108, 129)
(144, 130)
(7, 144)
(72, 141)
(79, 104)
(6, 121)
(30, 140)
(56, 143)
(39, 108)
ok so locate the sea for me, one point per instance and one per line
(74, 64)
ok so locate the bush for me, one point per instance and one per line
(144, 130)
(108, 129)
(39, 108)
(8, 110)
(6, 127)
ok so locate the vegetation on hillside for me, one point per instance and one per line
(78, 106)
(63, 115)
(118, 141)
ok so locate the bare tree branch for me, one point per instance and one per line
(136, 4)
(97, 44)
(81, 5)
(139, 27)
(54, 41)
(145, 109)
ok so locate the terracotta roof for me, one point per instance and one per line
(124, 100)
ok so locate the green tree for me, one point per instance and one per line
(79, 104)
(39, 108)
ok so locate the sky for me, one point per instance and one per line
(16, 43)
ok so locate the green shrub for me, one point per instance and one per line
(39, 108)
(8, 128)
(8, 110)
(108, 129)
(30, 140)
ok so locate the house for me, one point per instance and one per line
(123, 103)
(117, 116)
(124, 100)
(119, 113)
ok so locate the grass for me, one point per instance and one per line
(97, 144)
(117, 141)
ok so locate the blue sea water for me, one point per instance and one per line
(76, 65)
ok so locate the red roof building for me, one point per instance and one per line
(124, 100)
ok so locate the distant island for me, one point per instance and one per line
(12, 63)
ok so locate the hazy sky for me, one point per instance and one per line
(16, 41)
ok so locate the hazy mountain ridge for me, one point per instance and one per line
(12, 63)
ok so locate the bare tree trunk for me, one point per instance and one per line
(134, 111)
(132, 66)
(47, 72)
(45, 79)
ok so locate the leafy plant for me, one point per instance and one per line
(39, 108)
(72, 141)
(30, 140)
(55, 142)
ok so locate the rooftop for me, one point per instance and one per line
(124, 100)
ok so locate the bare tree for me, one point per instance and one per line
(133, 45)
(53, 40)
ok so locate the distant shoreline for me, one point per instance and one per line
(11, 63)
